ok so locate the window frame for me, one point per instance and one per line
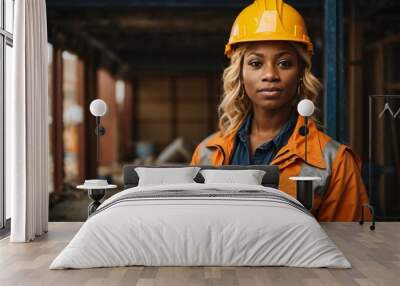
(6, 39)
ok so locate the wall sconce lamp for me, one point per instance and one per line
(98, 108)
(304, 189)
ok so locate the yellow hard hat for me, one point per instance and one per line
(268, 20)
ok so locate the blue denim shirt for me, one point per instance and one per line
(266, 151)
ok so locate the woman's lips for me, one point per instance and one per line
(270, 94)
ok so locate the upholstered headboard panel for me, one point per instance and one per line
(270, 179)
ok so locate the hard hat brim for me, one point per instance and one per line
(229, 48)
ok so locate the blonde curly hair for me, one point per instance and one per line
(235, 104)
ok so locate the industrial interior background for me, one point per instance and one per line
(158, 65)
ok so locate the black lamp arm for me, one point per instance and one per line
(100, 130)
(303, 130)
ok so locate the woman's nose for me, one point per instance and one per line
(270, 73)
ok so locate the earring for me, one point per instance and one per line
(300, 88)
(299, 93)
(242, 92)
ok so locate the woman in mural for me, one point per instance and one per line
(269, 73)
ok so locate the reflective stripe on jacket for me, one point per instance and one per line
(340, 193)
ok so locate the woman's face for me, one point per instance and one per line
(270, 74)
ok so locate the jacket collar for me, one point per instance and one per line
(295, 145)
(225, 142)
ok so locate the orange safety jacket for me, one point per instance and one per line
(340, 193)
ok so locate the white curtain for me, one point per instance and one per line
(27, 124)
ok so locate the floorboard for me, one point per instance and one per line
(374, 255)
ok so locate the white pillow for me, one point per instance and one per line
(163, 176)
(249, 177)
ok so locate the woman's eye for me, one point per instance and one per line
(285, 64)
(255, 64)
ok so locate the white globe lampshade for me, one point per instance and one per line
(305, 107)
(98, 107)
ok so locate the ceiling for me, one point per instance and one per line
(139, 36)
(181, 36)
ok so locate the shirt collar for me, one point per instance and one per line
(289, 125)
(245, 129)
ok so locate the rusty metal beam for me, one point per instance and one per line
(90, 90)
(57, 115)
(81, 127)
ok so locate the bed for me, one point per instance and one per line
(201, 224)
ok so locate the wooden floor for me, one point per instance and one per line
(375, 256)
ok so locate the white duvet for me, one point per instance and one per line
(183, 231)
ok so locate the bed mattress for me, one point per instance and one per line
(201, 225)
